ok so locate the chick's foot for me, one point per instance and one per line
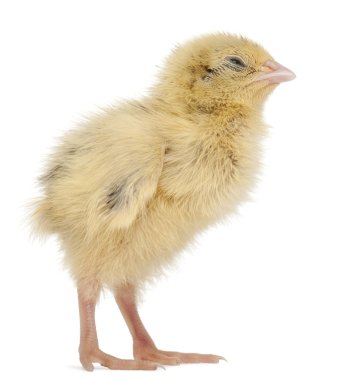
(193, 357)
(88, 357)
(151, 353)
(143, 345)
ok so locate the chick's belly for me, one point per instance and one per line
(148, 246)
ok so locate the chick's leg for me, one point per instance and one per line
(143, 345)
(89, 348)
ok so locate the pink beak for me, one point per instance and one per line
(276, 73)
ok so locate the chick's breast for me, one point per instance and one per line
(208, 171)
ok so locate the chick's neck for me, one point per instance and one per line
(227, 115)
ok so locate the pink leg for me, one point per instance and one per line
(143, 345)
(89, 349)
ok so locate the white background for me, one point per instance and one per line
(264, 289)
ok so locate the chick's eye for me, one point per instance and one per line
(236, 62)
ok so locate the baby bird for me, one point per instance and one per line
(127, 190)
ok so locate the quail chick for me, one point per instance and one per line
(127, 190)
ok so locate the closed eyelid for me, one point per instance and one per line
(236, 57)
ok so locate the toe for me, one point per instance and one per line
(88, 366)
(158, 357)
(112, 362)
(86, 361)
(97, 356)
(164, 359)
(134, 365)
(194, 358)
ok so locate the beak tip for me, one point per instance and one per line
(278, 73)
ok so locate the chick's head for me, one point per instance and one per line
(216, 70)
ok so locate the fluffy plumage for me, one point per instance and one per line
(126, 191)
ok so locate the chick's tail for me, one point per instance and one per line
(40, 218)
